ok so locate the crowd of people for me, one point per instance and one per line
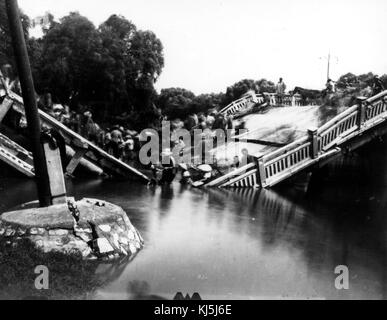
(124, 143)
(118, 141)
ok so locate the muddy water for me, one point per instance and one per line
(250, 244)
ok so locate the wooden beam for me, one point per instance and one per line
(16, 163)
(12, 84)
(4, 107)
(263, 142)
(4, 83)
(75, 160)
(55, 174)
(75, 140)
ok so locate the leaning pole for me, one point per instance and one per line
(31, 110)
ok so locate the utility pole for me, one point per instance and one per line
(31, 110)
(329, 63)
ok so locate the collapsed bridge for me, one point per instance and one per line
(79, 149)
(309, 148)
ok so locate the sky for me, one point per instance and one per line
(211, 44)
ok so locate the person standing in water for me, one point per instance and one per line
(169, 167)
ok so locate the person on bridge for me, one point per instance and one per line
(280, 90)
(116, 141)
(330, 86)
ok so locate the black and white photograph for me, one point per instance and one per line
(174, 150)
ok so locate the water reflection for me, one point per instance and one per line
(246, 243)
(140, 290)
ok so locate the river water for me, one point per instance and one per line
(246, 244)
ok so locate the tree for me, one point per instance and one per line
(6, 50)
(116, 35)
(239, 88)
(71, 59)
(206, 102)
(366, 79)
(143, 66)
(35, 53)
(119, 27)
(175, 102)
(348, 79)
(384, 80)
(266, 86)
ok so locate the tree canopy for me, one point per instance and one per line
(6, 51)
(112, 68)
(239, 88)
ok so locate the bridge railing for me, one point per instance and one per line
(231, 175)
(286, 99)
(318, 144)
(375, 107)
(285, 159)
(342, 125)
(305, 151)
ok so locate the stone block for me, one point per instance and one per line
(132, 248)
(115, 240)
(54, 229)
(105, 227)
(39, 231)
(58, 232)
(104, 245)
(84, 236)
(124, 241)
(131, 235)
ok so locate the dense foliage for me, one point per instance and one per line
(111, 69)
(179, 102)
